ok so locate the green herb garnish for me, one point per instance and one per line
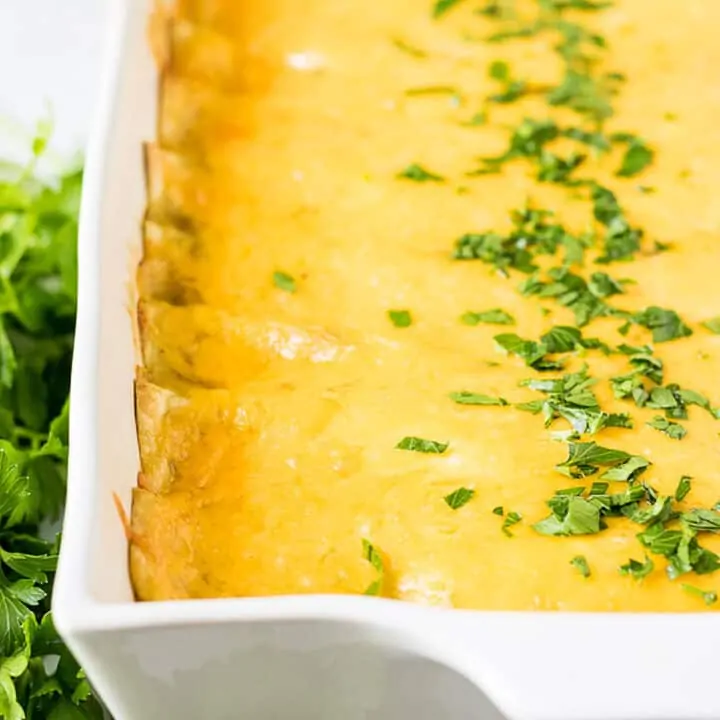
(637, 569)
(709, 597)
(38, 676)
(285, 282)
(533, 353)
(571, 397)
(683, 488)
(443, 6)
(665, 324)
(671, 429)
(459, 497)
(465, 397)
(371, 554)
(409, 49)
(400, 318)
(496, 316)
(418, 173)
(580, 563)
(416, 444)
(713, 325)
(637, 156)
(574, 516)
(511, 518)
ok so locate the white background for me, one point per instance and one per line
(50, 57)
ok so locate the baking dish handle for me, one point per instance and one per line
(562, 666)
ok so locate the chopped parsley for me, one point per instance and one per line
(552, 259)
(459, 497)
(709, 597)
(478, 119)
(513, 89)
(562, 339)
(621, 240)
(400, 318)
(418, 173)
(637, 569)
(511, 518)
(713, 325)
(586, 458)
(499, 510)
(683, 488)
(496, 316)
(533, 353)
(416, 444)
(433, 90)
(285, 282)
(580, 563)
(499, 70)
(571, 515)
(671, 429)
(665, 324)
(408, 48)
(637, 156)
(465, 397)
(702, 520)
(443, 6)
(571, 397)
(371, 554)
(533, 233)
(586, 298)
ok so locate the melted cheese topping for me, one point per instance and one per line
(268, 419)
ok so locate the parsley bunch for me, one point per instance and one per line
(39, 679)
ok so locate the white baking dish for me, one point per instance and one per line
(311, 657)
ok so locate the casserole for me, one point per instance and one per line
(327, 656)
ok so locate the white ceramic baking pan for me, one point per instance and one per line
(311, 657)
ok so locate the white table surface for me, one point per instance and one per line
(50, 56)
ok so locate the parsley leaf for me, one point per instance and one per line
(371, 554)
(636, 569)
(417, 173)
(637, 157)
(586, 298)
(459, 497)
(511, 518)
(572, 398)
(562, 339)
(421, 445)
(713, 325)
(585, 457)
(580, 563)
(701, 520)
(577, 516)
(621, 241)
(533, 353)
(465, 397)
(443, 6)
(499, 70)
(709, 597)
(285, 282)
(408, 48)
(671, 429)
(627, 471)
(683, 488)
(665, 324)
(400, 318)
(533, 234)
(496, 316)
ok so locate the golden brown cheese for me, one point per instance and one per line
(268, 419)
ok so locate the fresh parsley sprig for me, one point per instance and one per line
(38, 263)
